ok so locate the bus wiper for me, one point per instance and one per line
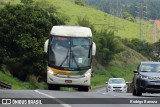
(89, 51)
(65, 58)
(75, 60)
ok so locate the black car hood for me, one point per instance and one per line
(154, 74)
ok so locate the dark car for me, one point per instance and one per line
(146, 78)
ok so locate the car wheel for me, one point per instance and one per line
(134, 92)
(138, 93)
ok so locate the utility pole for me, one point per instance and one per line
(121, 11)
(154, 32)
(113, 12)
(141, 13)
(116, 10)
(112, 8)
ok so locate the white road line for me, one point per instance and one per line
(59, 101)
(99, 91)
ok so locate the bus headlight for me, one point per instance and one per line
(87, 74)
(50, 72)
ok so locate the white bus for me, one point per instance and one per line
(70, 50)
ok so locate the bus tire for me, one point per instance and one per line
(83, 88)
(53, 87)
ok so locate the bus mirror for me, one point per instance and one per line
(93, 49)
(92, 74)
(46, 46)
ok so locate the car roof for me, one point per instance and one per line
(149, 62)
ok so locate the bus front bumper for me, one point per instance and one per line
(68, 80)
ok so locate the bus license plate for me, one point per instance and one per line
(68, 81)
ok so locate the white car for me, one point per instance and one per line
(116, 85)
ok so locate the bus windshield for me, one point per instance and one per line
(70, 53)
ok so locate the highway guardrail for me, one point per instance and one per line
(5, 85)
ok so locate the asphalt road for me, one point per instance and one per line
(95, 98)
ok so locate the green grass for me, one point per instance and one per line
(117, 72)
(17, 84)
(4, 2)
(123, 28)
(98, 81)
(112, 72)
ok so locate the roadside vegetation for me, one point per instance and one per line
(26, 26)
(122, 27)
(6, 77)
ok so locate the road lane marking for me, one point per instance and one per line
(59, 101)
(99, 91)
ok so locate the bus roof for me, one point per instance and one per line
(71, 31)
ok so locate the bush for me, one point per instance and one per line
(140, 46)
(23, 30)
(107, 46)
(80, 2)
(128, 16)
(84, 21)
(155, 52)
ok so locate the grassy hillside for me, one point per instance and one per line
(123, 63)
(123, 28)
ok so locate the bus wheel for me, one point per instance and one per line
(53, 87)
(83, 88)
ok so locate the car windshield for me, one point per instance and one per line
(70, 52)
(116, 81)
(150, 68)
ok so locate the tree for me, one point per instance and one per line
(140, 46)
(155, 52)
(80, 2)
(84, 21)
(23, 31)
(128, 16)
(107, 46)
